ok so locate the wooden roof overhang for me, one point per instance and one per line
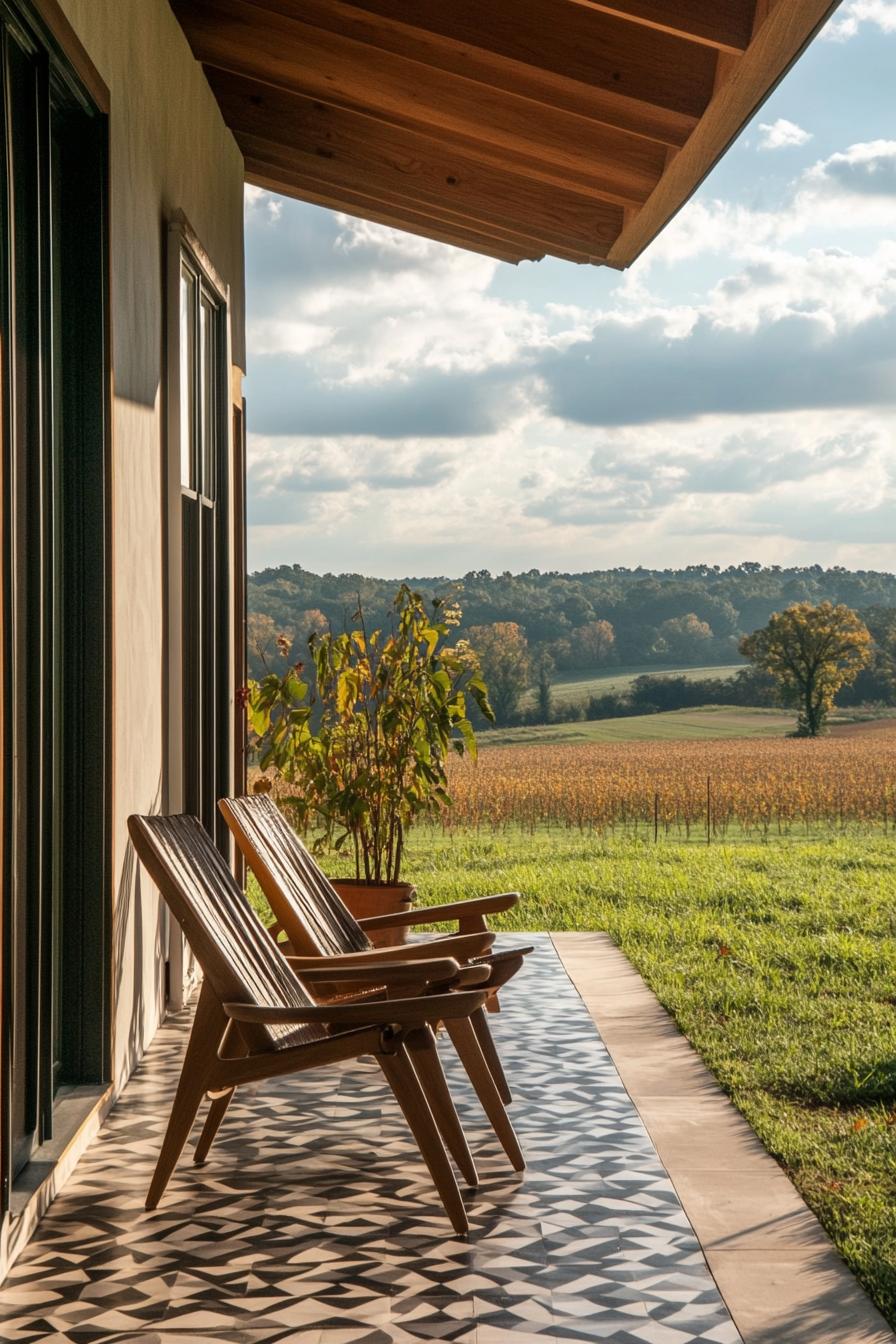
(570, 128)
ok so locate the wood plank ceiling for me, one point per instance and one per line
(517, 128)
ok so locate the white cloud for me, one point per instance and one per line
(864, 170)
(780, 332)
(380, 304)
(850, 17)
(814, 477)
(261, 203)
(849, 191)
(412, 419)
(837, 289)
(782, 134)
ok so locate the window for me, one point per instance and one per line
(202, 381)
(203, 421)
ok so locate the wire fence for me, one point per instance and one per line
(688, 789)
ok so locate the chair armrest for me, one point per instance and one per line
(477, 909)
(463, 947)
(316, 970)
(417, 977)
(373, 1013)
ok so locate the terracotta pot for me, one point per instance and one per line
(365, 899)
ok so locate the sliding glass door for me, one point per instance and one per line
(55, 699)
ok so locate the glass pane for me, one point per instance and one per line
(28, 728)
(58, 576)
(187, 379)
(208, 337)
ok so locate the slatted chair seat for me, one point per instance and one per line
(256, 1019)
(317, 924)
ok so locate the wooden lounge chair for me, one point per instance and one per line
(256, 1019)
(317, 924)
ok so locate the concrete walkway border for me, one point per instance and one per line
(778, 1272)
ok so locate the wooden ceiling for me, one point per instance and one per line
(517, 128)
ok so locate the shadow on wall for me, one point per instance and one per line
(139, 985)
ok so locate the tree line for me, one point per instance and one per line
(555, 609)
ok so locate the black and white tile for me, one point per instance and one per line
(314, 1219)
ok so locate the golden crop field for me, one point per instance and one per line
(760, 786)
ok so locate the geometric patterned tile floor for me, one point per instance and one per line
(314, 1220)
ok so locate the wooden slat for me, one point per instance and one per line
(235, 36)
(543, 217)
(593, 65)
(726, 25)
(291, 876)
(493, 241)
(237, 956)
(262, 174)
(307, 126)
(340, 149)
(778, 42)
(529, 211)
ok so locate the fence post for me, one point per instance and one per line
(656, 817)
(708, 810)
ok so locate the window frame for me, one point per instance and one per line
(184, 249)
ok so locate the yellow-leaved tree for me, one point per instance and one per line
(811, 651)
(503, 652)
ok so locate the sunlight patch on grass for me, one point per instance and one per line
(777, 960)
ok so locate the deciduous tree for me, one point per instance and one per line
(310, 622)
(597, 641)
(811, 651)
(544, 700)
(681, 637)
(506, 663)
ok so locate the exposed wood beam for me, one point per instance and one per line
(229, 35)
(500, 243)
(725, 67)
(571, 127)
(485, 202)
(594, 65)
(726, 25)
(306, 126)
(788, 28)
(484, 244)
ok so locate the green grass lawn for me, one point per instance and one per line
(578, 685)
(777, 960)
(677, 724)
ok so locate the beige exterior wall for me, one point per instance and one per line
(169, 152)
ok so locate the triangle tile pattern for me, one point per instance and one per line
(314, 1219)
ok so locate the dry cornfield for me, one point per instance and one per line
(760, 786)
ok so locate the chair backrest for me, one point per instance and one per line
(304, 902)
(238, 958)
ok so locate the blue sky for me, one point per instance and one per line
(417, 409)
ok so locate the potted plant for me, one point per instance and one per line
(364, 755)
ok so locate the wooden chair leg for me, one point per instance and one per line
(216, 1112)
(208, 1025)
(403, 1080)
(424, 1054)
(492, 1058)
(466, 1043)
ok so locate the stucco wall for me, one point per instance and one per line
(170, 151)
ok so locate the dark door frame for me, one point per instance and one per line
(72, 583)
